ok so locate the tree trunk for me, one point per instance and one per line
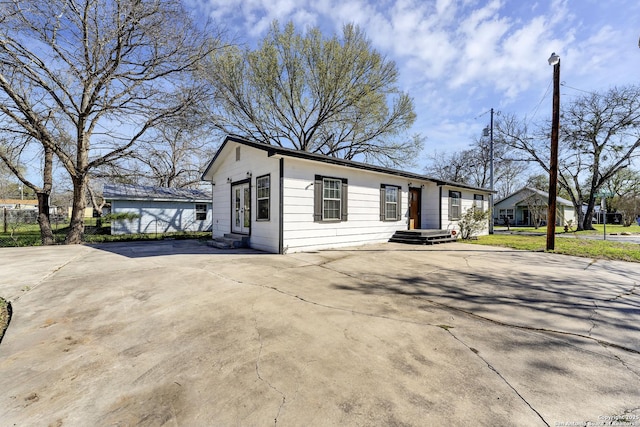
(46, 233)
(587, 222)
(97, 207)
(76, 228)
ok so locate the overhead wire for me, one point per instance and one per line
(535, 109)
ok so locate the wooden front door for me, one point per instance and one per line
(415, 199)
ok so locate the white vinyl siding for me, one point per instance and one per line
(160, 216)
(363, 226)
(308, 219)
(228, 171)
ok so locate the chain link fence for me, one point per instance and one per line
(19, 227)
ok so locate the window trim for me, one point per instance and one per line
(506, 213)
(325, 199)
(196, 211)
(455, 195)
(318, 199)
(268, 197)
(478, 198)
(384, 203)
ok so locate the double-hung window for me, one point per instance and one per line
(455, 198)
(390, 203)
(263, 196)
(506, 214)
(201, 211)
(478, 202)
(330, 199)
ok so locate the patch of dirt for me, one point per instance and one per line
(5, 316)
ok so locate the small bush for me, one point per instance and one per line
(473, 221)
(5, 316)
(121, 216)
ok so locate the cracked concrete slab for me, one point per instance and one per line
(178, 333)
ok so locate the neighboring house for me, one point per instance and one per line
(529, 206)
(89, 212)
(18, 211)
(29, 208)
(160, 210)
(598, 217)
(287, 200)
(19, 204)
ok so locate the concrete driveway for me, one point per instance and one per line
(175, 333)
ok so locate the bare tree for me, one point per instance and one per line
(102, 72)
(334, 96)
(174, 155)
(537, 208)
(625, 187)
(472, 166)
(454, 166)
(177, 155)
(600, 136)
(11, 152)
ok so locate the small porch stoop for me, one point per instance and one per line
(230, 241)
(422, 237)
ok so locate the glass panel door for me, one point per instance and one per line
(241, 211)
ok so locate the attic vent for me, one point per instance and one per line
(237, 154)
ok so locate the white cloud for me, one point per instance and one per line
(458, 58)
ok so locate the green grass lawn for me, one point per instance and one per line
(589, 248)
(598, 230)
(523, 238)
(29, 234)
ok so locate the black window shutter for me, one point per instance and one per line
(399, 213)
(317, 199)
(344, 200)
(383, 196)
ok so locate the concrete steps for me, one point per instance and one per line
(230, 241)
(422, 237)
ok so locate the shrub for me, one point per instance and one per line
(121, 216)
(472, 222)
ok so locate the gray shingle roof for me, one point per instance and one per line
(541, 193)
(273, 149)
(145, 192)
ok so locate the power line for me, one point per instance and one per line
(535, 110)
(579, 90)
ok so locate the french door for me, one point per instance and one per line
(241, 210)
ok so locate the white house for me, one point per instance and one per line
(159, 209)
(528, 205)
(19, 204)
(286, 200)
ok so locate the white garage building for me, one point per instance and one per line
(158, 209)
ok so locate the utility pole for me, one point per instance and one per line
(489, 132)
(491, 175)
(553, 164)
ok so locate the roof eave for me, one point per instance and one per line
(273, 150)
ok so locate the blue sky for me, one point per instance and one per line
(458, 59)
